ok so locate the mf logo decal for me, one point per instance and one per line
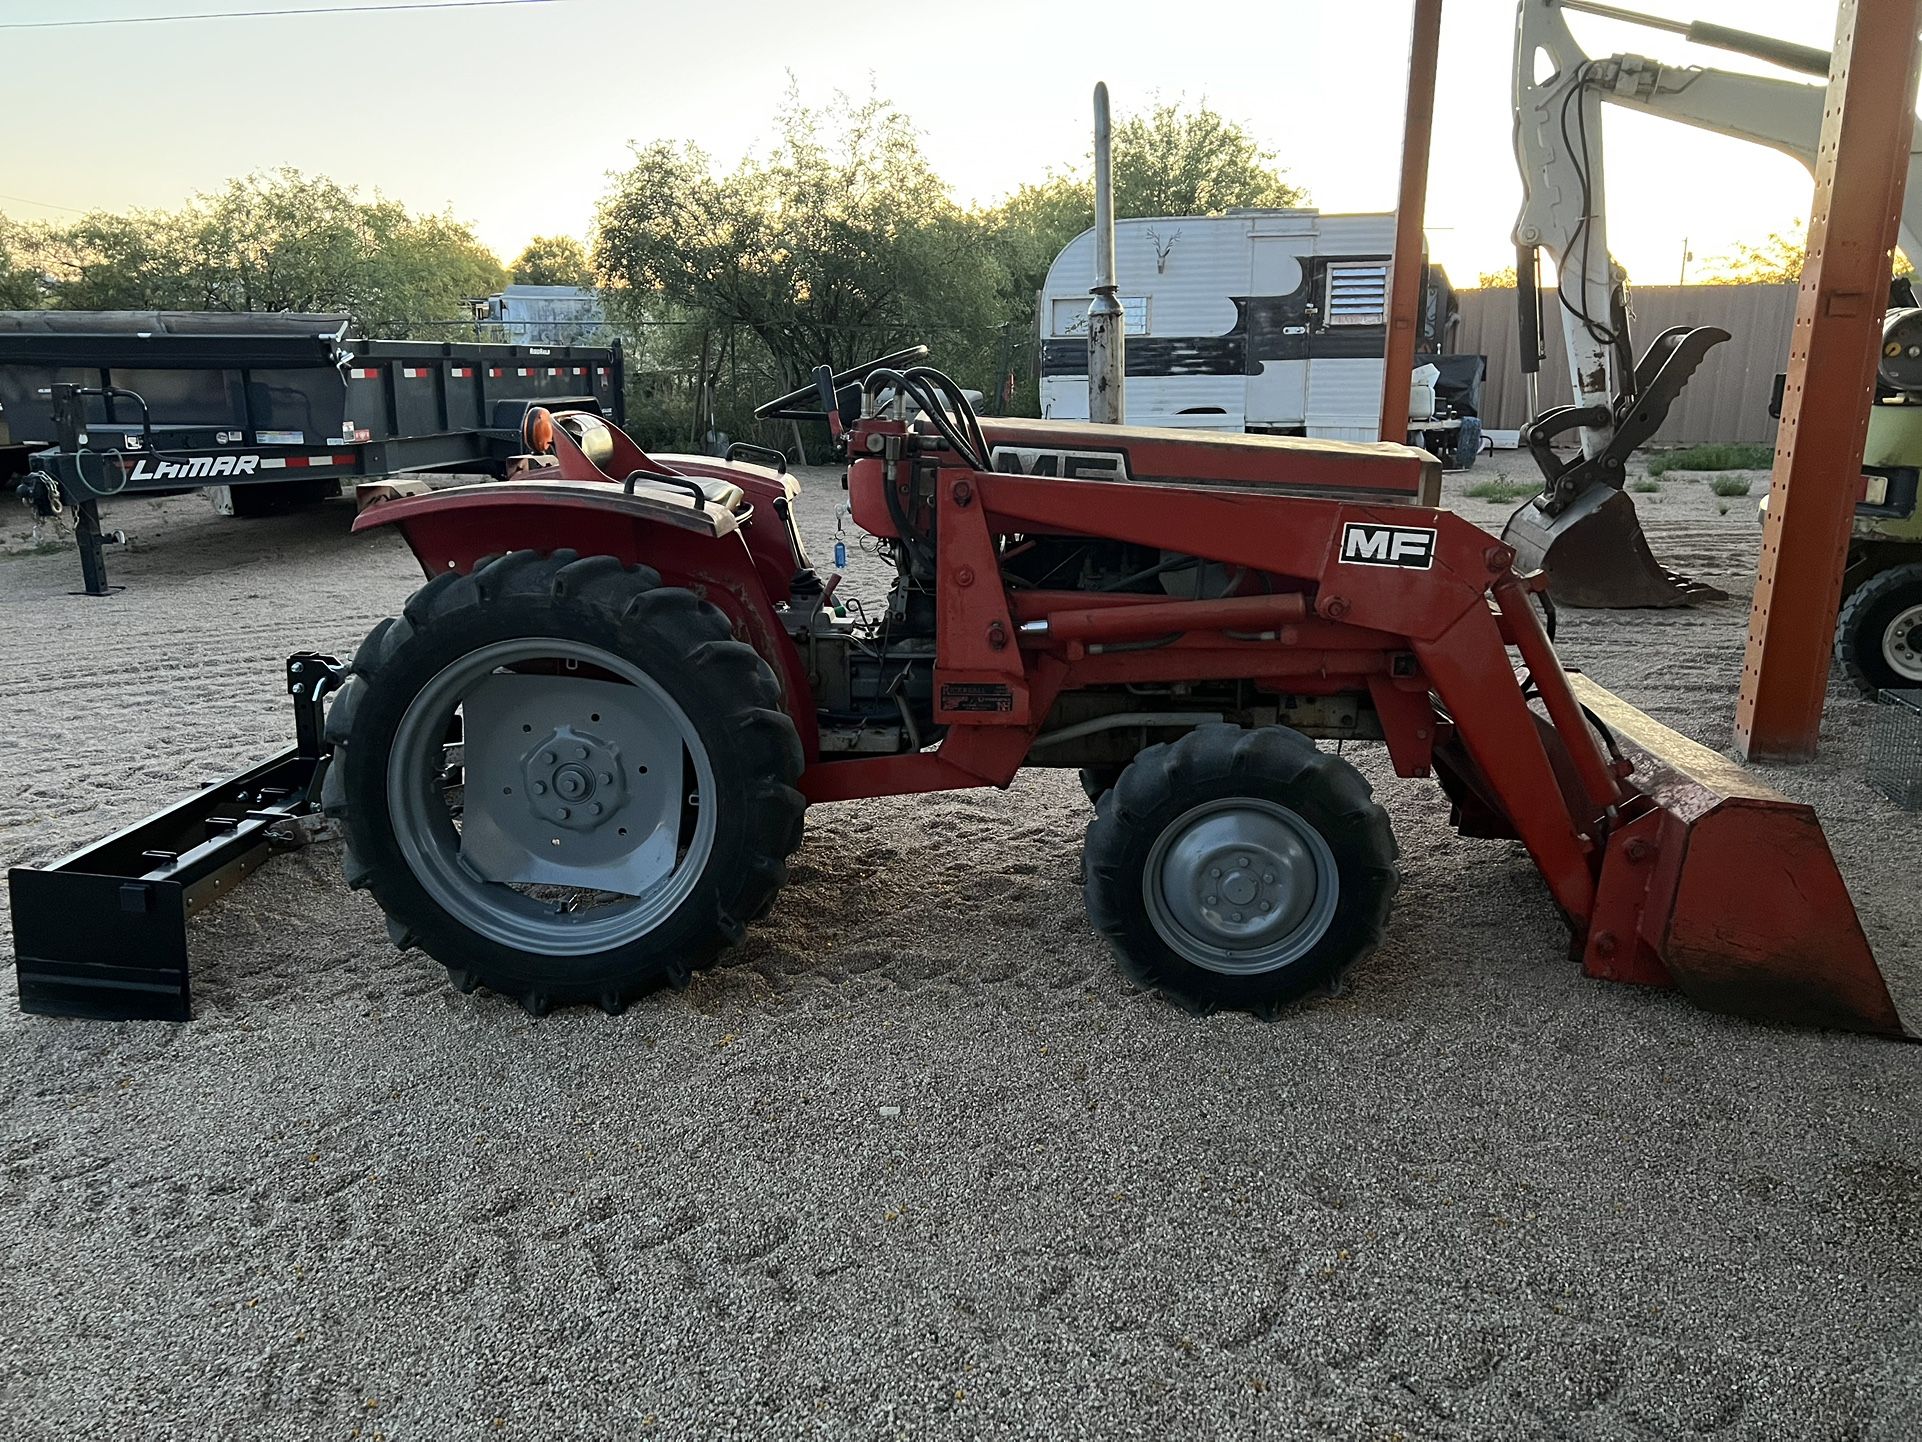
(194, 468)
(1412, 547)
(1060, 462)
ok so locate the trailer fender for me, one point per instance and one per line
(702, 548)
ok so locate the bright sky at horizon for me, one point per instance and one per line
(512, 116)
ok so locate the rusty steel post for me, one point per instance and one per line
(1405, 273)
(1860, 169)
(1107, 323)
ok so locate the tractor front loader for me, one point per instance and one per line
(573, 769)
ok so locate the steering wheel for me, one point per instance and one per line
(781, 407)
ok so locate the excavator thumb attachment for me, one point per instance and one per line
(1596, 555)
(1724, 888)
(1582, 531)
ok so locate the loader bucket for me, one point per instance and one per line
(1723, 887)
(1596, 555)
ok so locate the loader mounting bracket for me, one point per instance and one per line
(103, 933)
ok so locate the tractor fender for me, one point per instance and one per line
(701, 548)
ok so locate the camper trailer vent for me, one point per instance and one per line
(1358, 293)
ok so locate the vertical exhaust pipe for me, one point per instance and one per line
(1107, 330)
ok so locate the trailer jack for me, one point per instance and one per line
(103, 933)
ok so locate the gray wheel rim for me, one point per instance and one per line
(613, 755)
(1241, 886)
(1902, 644)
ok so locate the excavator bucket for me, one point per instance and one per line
(1595, 555)
(1724, 888)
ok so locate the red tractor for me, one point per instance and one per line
(574, 768)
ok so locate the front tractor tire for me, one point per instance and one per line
(622, 801)
(1239, 869)
(1878, 636)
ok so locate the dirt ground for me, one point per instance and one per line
(915, 1161)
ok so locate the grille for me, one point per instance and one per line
(1894, 763)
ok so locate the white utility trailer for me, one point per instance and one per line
(1257, 320)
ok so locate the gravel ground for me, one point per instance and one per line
(915, 1161)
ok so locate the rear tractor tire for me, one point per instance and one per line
(1878, 636)
(1098, 781)
(1239, 869)
(622, 800)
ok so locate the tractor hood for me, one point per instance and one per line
(1380, 472)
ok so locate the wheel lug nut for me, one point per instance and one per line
(595, 809)
(1237, 916)
(1215, 872)
(1268, 878)
(562, 814)
(1241, 861)
(540, 788)
(607, 778)
(580, 753)
(1210, 900)
(1266, 906)
(547, 758)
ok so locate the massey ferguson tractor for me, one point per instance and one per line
(574, 768)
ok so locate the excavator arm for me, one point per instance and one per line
(1582, 530)
(1783, 115)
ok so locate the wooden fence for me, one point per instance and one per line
(1726, 401)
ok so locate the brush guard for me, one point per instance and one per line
(103, 933)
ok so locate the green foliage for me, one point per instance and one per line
(1171, 161)
(1776, 260)
(1729, 485)
(1497, 279)
(1713, 458)
(1498, 489)
(277, 241)
(1645, 485)
(553, 260)
(284, 241)
(842, 243)
(132, 261)
(20, 287)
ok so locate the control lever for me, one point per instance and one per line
(824, 388)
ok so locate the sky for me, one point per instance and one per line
(512, 116)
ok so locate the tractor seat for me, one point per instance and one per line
(713, 489)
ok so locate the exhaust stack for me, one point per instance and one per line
(1107, 329)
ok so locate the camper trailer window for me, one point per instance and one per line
(1357, 292)
(1070, 315)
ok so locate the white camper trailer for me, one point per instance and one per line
(1257, 320)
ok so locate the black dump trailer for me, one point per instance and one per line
(278, 408)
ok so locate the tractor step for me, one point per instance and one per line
(102, 933)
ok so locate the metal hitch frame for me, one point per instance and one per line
(102, 933)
